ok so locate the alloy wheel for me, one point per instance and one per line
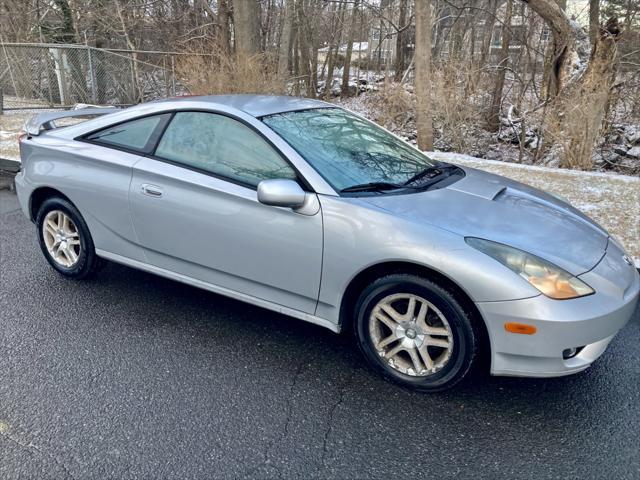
(61, 238)
(411, 334)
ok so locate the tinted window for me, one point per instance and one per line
(345, 149)
(222, 146)
(134, 135)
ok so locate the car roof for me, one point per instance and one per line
(257, 105)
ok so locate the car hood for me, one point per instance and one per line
(495, 208)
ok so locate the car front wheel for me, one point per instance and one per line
(415, 333)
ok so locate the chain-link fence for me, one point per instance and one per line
(39, 76)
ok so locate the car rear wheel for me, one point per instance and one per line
(65, 240)
(415, 333)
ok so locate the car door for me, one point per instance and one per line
(100, 179)
(195, 212)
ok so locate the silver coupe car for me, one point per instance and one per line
(310, 210)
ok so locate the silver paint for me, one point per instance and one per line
(217, 235)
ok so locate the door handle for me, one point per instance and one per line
(151, 190)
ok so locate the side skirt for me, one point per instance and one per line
(220, 290)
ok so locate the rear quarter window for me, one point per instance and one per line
(138, 135)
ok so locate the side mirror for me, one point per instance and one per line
(281, 193)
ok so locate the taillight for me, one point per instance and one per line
(21, 136)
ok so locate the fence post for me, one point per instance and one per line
(92, 77)
(58, 61)
(173, 76)
(1, 102)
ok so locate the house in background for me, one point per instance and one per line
(360, 50)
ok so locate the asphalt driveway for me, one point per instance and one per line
(134, 376)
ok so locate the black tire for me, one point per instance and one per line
(466, 336)
(88, 262)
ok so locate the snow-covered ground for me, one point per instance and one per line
(10, 125)
(612, 200)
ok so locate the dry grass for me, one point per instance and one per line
(573, 134)
(395, 106)
(454, 106)
(219, 74)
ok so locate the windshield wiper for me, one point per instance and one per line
(432, 172)
(373, 187)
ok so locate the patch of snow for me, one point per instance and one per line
(453, 157)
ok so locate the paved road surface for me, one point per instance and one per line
(133, 376)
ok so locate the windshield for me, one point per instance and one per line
(347, 150)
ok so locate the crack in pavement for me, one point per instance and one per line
(332, 412)
(285, 431)
(5, 433)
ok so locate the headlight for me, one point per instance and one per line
(546, 277)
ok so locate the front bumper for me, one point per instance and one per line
(589, 322)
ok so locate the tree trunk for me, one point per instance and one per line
(246, 16)
(490, 21)
(424, 122)
(578, 113)
(346, 71)
(334, 50)
(304, 36)
(401, 41)
(594, 20)
(565, 37)
(493, 121)
(223, 35)
(584, 79)
(285, 47)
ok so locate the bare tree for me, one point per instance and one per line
(584, 78)
(594, 20)
(346, 71)
(493, 121)
(224, 18)
(401, 40)
(285, 39)
(424, 122)
(246, 16)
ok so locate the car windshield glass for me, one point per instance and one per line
(347, 150)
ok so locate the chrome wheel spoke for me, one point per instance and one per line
(394, 351)
(436, 342)
(411, 308)
(64, 225)
(51, 228)
(392, 312)
(436, 331)
(417, 364)
(426, 358)
(410, 334)
(392, 325)
(422, 314)
(71, 255)
(61, 238)
(387, 341)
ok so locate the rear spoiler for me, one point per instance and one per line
(46, 121)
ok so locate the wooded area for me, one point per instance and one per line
(552, 82)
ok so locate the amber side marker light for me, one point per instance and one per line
(521, 328)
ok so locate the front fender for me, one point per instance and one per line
(358, 236)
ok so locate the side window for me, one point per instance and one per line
(139, 135)
(222, 146)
